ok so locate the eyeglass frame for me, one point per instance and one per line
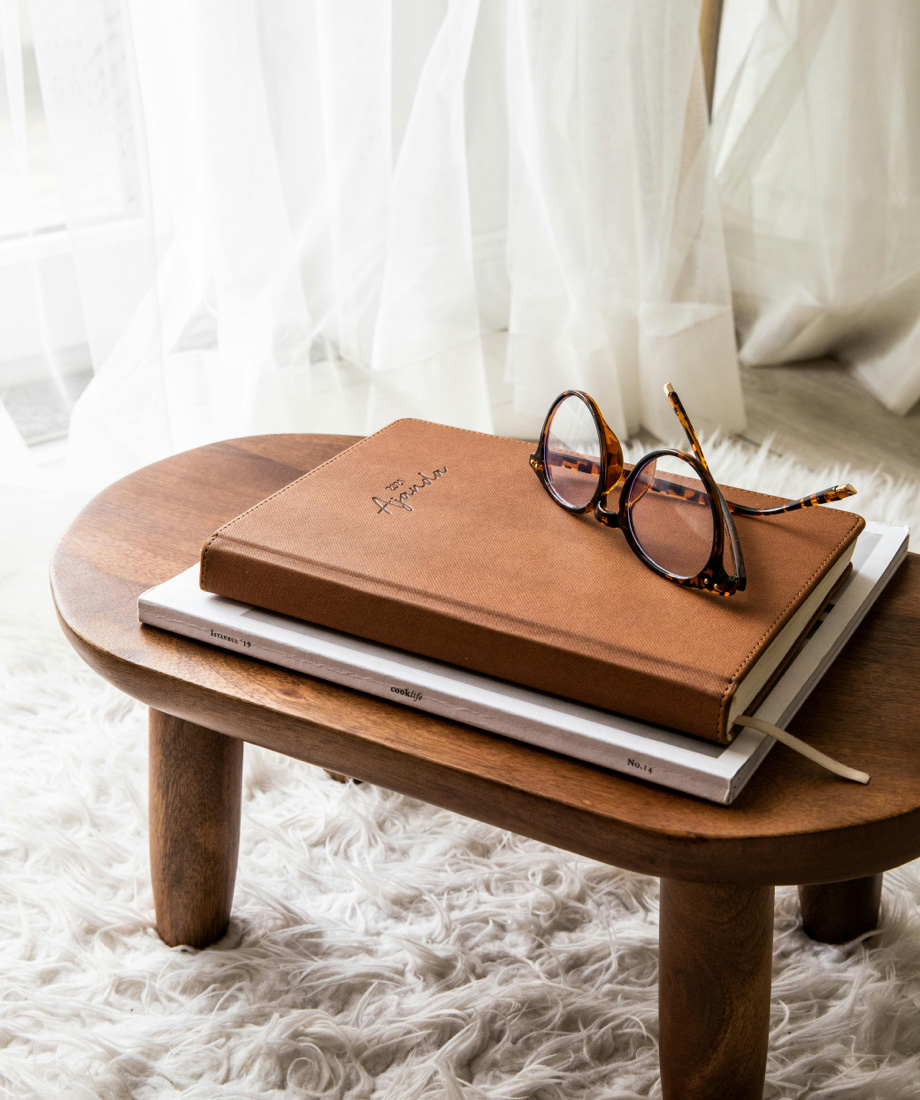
(713, 577)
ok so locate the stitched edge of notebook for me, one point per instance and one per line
(732, 683)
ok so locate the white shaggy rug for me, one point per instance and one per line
(380, 949)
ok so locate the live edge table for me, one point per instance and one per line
(794, 824)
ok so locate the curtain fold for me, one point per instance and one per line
(320, 215)
(30, 334)
(92, 102)
(818, 164)
(615, 251)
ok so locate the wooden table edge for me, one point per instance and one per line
(604, 838)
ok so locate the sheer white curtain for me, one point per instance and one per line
(817, 135)
(320, 215)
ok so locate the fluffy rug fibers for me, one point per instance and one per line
(380, 948)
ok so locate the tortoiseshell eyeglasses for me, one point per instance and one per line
(679, 524)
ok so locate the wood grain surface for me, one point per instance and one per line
(837, 912)
(793, 824)
(195, 789)
(714, 990)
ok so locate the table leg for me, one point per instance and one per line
(716, 953)
(195, 781)
(837, 912)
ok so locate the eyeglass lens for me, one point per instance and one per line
(572, 457)
(671, 516)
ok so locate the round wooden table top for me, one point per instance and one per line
(793, 824)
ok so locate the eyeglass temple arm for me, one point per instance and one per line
(836, 492)
(580, 463)
(686, 493)
(681, 413)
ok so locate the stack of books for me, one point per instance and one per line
(427, 566)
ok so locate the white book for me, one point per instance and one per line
(675, 760)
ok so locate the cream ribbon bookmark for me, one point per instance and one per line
(804, 748)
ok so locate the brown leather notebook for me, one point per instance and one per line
(442, 542)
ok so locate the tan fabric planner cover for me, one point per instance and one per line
(475, 565)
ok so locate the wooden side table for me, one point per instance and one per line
(718, 865)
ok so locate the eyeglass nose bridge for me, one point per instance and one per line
(604, 516)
